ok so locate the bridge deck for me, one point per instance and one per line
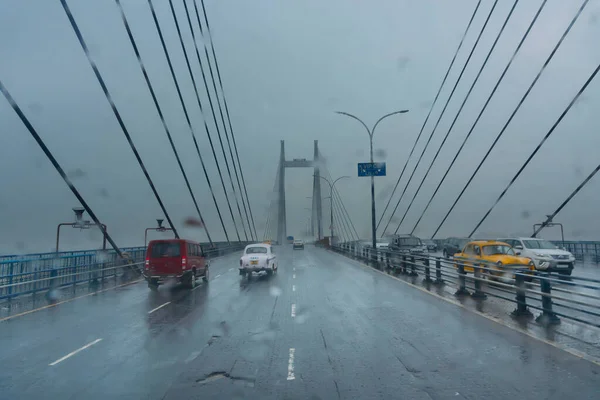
(338, 329)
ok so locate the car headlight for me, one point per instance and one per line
(543, 255)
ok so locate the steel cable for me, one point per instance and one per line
(564, 35)
(430, 110)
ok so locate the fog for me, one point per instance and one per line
(286, 68)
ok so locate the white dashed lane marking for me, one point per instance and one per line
(290, 376)
(293, 288)
(293, 311)
(159, 307)
(71, 354)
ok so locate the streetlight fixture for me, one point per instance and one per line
(371, 132)
(159, 228)
(331, 185)
(79, 223)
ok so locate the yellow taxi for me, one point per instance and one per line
(497, 256)
(267, 242)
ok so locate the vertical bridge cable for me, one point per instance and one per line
(564, 35)
(509, 15)
(57, 166)
(116, 112)
(558, 121)
(564, 203)
(212, 45)
(195, 86)
(343, 210)
(525, 35)
(156, 104)
(343, 223)
(442, 113)
(430, 110)
(214, 84)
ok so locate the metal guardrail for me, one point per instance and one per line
(554, 296)
(32, 275)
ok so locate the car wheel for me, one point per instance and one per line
(205, 277)
(192, 280)
(249, 274)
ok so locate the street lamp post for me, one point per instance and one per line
(79, 223)
(331, 185)
(159, 228)
(371, 132)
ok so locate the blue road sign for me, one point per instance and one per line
(371, 169)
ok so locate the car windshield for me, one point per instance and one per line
(498, 249)
(256, 250)
(539, 244)
(165, 249)
(409, 242)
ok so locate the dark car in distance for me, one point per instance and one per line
(454, 245)
(431, 245)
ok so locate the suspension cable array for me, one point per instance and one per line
(442, 113)
(535, 80)
(116, 112)
(57, 166)
(215, 60)
(430, 110)
(518, 48)
(510, 13)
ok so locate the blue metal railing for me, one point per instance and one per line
(31, 273)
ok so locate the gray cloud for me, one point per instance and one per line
(286, 68)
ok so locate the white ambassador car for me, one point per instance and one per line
(257, 258)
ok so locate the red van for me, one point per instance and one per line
(179, 259)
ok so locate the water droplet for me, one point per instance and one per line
(402, 62)
(76, 173)
(193, 222)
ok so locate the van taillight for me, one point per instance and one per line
(183, 262)
(147, 263)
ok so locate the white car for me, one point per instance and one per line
(257, 258)
(545, 255)
(298, 244)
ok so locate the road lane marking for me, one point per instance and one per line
(192, 356)
(66, 301)
(159, 307)
(290, 375)
(293, 311)
(573, 352)
(293, 288)
(217, 276)
(230, 269)
(293, 269)
(71, 354)
(294, 276)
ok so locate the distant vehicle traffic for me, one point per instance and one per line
(431, 245)
(498, 257)
(298, 244)
(258, 258)
(175, 259)
(545, 255)
(408, 244)
(453, 245)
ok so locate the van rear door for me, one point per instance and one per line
(165, 257)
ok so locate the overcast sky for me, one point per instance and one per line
(286, 67)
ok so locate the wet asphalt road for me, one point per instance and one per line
(322, 328)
